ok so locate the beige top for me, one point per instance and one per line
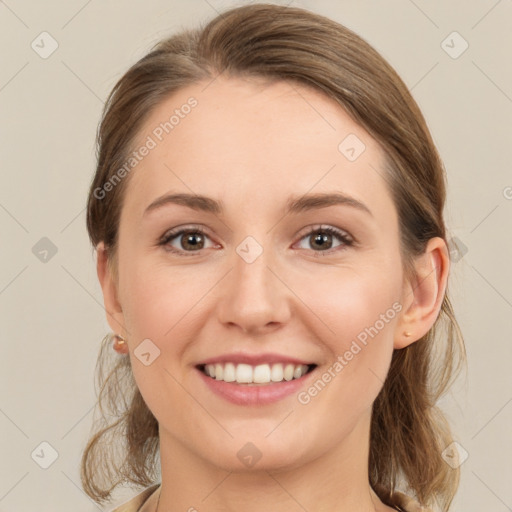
(147, 500)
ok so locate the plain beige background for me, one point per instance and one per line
(51, 304)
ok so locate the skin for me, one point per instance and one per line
(252, 145)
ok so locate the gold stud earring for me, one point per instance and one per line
(119, 344)
(407, 334)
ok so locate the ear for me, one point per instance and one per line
(423, 296)
(114, 312)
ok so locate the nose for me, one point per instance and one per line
(254, 296)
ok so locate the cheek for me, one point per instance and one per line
(155, 298)
(360, 312)
(357, 314)
(158, 307)
(348, 302)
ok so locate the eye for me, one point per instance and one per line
(193, 241)
(321, 237)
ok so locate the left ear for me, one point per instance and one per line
(422, 297)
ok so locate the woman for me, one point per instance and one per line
(267, 212)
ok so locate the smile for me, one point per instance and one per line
(260, 374)
(259, 385)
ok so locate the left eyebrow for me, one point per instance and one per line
(315, 201)
(293, 205)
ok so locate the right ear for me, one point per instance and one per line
(114, 311)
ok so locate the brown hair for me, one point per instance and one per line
(408, 431)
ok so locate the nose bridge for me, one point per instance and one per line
(254, 296)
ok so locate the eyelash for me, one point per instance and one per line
(343, 237)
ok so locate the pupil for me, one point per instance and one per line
(321, 239)
(191, 237)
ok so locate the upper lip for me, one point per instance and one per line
(254, 359)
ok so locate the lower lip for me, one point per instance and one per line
(260, 394)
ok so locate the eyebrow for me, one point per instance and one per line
(293, 205)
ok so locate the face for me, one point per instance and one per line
(263, 278)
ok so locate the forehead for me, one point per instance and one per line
(259, 139)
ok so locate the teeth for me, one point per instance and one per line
(229, 372)
(243, 373)
(219, 372)
(261, 374)
(289, 371)
(276, 374)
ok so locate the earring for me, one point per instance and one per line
(119, 344)
(407, 334)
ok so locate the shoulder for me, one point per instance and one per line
(135, 504)
(407, 504)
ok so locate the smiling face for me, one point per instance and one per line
(271, 271)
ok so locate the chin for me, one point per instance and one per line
(259, 454)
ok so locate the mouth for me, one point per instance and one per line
(255, 375)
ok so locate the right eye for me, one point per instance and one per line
(190, 237)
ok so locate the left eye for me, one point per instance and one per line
(195, 239)
(322, 236)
